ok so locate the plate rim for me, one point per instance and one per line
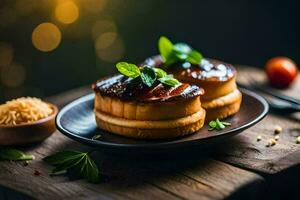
(160, 144)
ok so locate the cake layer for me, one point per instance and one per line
(151, 129)
(223, 107)
(148, 124)
(147, 111)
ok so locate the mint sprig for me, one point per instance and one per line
(217, 125)
(147, 75)
(14, 154)
(75, 161)
(128, 69)
(169, 80)
(179, 52)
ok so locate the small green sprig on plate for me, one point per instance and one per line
(217, 125)
(77, 162)
(179, 52)
(14, 154)
(147, 75)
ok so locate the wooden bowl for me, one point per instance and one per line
(30, 132)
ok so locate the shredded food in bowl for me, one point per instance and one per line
(24, 110)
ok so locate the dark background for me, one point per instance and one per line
(236, 31)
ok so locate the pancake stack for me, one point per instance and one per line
(221, 97)
(143, 112)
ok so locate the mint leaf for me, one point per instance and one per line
(90, 170)
(165, 47)
(169, 80)
(179, 52)
(128, 69)
(212, 124)
(194, 57)
(226, 123)
(182, 48)
(61, 157)
(160, 73)
(14, 154)
(148, 76)
(69, 160)
(217, 124)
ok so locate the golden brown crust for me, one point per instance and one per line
(223, 107)
(151, 129)
(147, 111)
(213, 89)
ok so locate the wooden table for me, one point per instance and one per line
(240, 168)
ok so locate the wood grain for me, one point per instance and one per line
(190, 176)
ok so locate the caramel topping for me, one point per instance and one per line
(208, 69)
(126, 89)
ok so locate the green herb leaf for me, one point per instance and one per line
(165, 47)
(179, 52)
(217, 124)
(90, 170)
(61, 157)
(128, 69)
(148, 76)
(169, 80)
(160, 73)
(68, 160)
(226, 123)
(14, 154)
(194, 57)
(212, 124)
(182, 48)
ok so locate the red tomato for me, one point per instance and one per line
(281, 71)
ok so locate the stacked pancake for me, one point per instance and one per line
(130, 108)
(218, 79)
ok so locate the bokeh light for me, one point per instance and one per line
(6, 54)
(66, 12)
(102, 26)
(46, 37)
(12, 75)
(105, 40)
(111, 51)
(94, 6)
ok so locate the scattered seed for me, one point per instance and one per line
(271, 142)
(25, 163)
(276, 137)
(298, 139)
(95, 137)
(37, 173)
(259, 138)
(278, 129)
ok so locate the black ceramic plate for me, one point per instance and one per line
(77, 121)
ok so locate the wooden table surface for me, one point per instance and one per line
(240, 168)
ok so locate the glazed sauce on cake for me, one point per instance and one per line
(208, 69)
(127, 89)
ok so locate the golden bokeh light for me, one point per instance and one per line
(105, 40)
(102, 26)
(46, 37)
(94, 6)
(111, 51)
(12, 75)
(6, 54)
(66, 12)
